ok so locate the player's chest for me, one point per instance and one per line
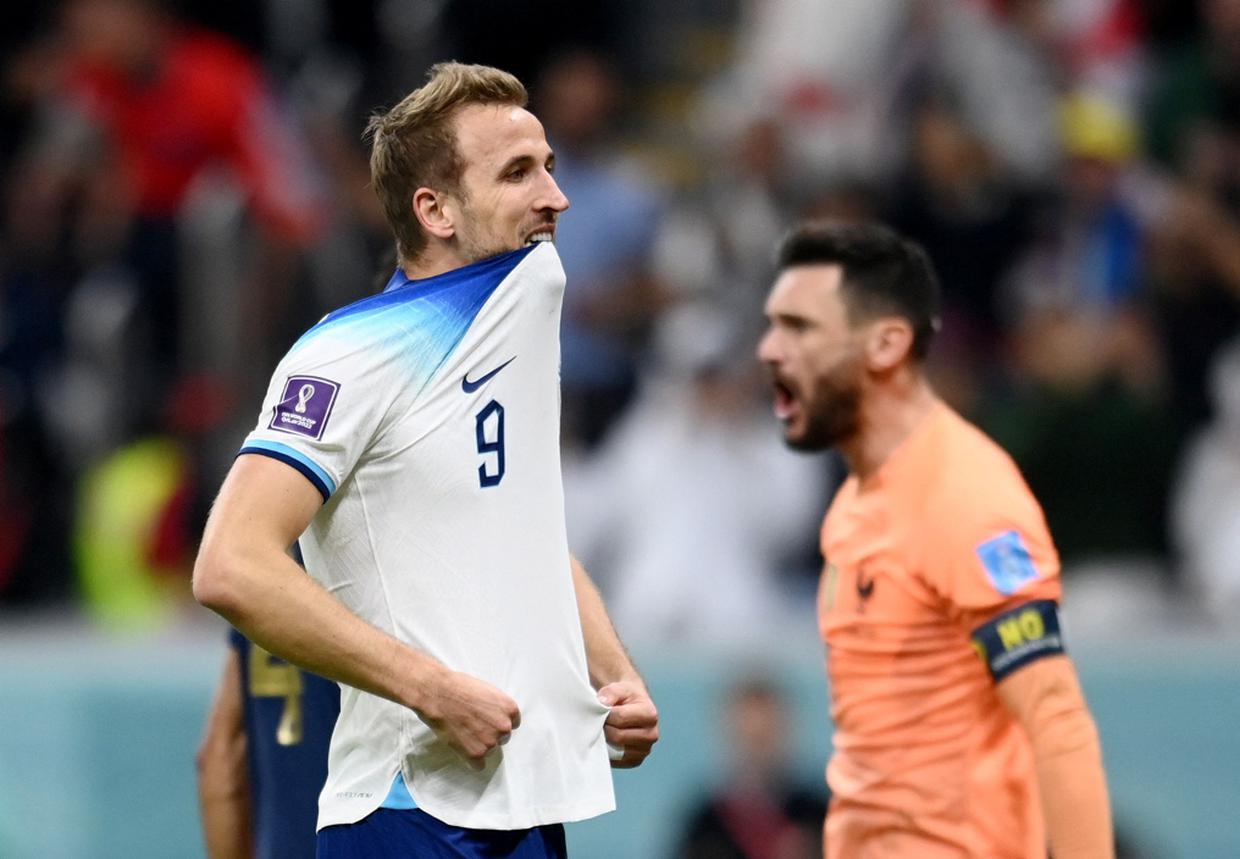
(870, 579)
(488, 422)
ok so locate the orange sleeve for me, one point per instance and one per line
(1045, 696)
(987, 545)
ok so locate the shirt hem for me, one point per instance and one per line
(542, 817)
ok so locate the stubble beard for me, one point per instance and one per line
(476, 251)
(475, 248)
(832, 412)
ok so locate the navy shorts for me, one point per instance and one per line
(414, 833)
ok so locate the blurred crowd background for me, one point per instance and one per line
(184, 189)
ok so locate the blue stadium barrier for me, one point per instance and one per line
(97, 742)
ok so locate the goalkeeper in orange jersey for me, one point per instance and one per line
(960, 726)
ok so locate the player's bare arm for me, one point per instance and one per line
(633, 724)
(1045, 696)
(244, 573)
(223, 774)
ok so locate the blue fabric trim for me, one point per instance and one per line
(398, 289)
(399, 797)
(422, 320)
(289, 456)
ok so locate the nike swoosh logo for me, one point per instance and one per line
(469, 387)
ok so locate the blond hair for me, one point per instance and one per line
(413, 145)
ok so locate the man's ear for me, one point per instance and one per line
(435, 212)
(888, 343)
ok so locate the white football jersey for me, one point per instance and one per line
(428, 416)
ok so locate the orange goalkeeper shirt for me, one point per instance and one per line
(928, 762)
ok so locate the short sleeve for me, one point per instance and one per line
(988, 546)
(323, 408)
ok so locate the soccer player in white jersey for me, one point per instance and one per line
(410, 443)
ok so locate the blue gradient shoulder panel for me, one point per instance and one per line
(428, 316)
(372, 351)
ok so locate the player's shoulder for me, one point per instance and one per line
(199, 55)
(981, 532)
(967, 455)
(395, 341)
(971, 473)
(442, 297)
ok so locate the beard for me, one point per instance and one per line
(476, 244)
(476, 248)
(832, 410)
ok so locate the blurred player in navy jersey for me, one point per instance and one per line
(263, 758)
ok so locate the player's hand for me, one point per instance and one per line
(633, 725)
(470, 715)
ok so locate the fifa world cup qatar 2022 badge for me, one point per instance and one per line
(305, 406)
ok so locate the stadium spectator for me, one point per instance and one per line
(1192, 119)
(825, 73)
(956, 199)
(701, 561)
(484, 681)
(1192, 127)
(612, 295)
(1097, 46)
(841, 78)
(172, 102)
(714, 245)
(1205, 510)
(940, 590)
(135, 113)
(759, 811)
(1087, 364)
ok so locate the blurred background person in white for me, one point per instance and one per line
(692, 506)
(611, 297)
(1205, 508)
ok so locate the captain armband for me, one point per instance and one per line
(1017, 637)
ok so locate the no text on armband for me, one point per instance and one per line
(1019, 636)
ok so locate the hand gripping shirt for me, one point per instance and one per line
(928, 762)
(428, 418)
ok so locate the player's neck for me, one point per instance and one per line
(890, 413)
(435, 259)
